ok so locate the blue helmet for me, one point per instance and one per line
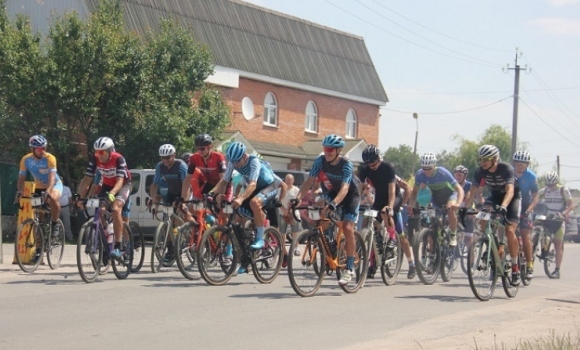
(333, 141)
(235, 151)
(37, 141)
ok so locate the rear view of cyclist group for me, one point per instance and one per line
(198, 187)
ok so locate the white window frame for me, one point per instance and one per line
(311, 120)
(351, 122)
(270, 110)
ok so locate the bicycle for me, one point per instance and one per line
(322, 254)
(486, 263)
(376, 245)
(160, 251)
(95, 243)
(215, 263)
(138, 247)
(34, 238)
(431, 246)
(545, 225)
(522, 261)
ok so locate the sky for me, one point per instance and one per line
(446, 61)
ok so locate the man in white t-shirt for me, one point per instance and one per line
(65, 201)
(287, 219)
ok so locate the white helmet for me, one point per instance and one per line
(488, 151)
(551, 178)
(522, 156)
(166, 150)
(428, 159)
(104, 144)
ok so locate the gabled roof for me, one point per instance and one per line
(261, 41)
(314, 147)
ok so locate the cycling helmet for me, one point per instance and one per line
(37, 141)
(428, 159)
(522, 156)
(235, 151)
(551, 178)
(104, 144)
(461, 169)
(488, 151)
(203, 140)
(371, 153)
(185, 157)
(333, 141)
(166, 150)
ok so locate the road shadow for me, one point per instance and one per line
(442, 298)
(51, 280)
(564, 301)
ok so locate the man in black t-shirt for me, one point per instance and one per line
(505, 193)
(388, 199)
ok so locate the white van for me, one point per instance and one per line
(141, 181)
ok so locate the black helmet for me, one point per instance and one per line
(203, 140)
(185, 157)
(371, 153)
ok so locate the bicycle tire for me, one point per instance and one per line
(214, 266)
(307, 271)
(159, 248)
(481, 273)
(426, 264)
(361, 264)
(138, 248)
(390, 266)
(89, 252)
(550, 260)
(186, 250)
(447, 260)
(462, 253)
(368, 234)
(537, 233)
(24, 256)
(267, 261)
(506, 280)
(122, 266)
(55, 248)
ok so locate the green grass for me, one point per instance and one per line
(552, 341)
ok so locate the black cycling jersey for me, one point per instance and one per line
(380, 180)
(503, 175)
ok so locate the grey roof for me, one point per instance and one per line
(257, 40)
(314, 147)
(267, 147)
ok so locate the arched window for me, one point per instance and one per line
(311, 117)
(270, 110)
(351, 124)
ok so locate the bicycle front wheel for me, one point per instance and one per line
(138, 247)
(55, 247)
(426, 251)
(391, 261)
(89, 252)
(447, 260)
(361, 263)
(267, 262)
(160, 250)
(217, 255)
(122, 265)
(306, 271)
(481, 270)
(550, 256)
(28, 245)
(506, 280)
(185, 250)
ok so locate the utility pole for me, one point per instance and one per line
(558, 165)
(516, 100)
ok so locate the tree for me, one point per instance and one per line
(404, 160)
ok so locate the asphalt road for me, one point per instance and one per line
(57, 310)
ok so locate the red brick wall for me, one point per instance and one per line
(291, 114)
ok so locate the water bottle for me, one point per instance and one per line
(110, 235)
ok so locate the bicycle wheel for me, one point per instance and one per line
(427, 254)
(361, 263)
(185, 250)
(55, 248)
(506, 280)
(537, 233)
(89, 252)
(160, 250)
(391, 261)
(461, 254)
(216, 263)
(122, 265)
(523, 269)
(447, 260)
(28, 245)
(306, 271)
(550, 260)
(267, 262)
(138, 247)
(481, 273)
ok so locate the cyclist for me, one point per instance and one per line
(528, 183)
(170, 174)
(460, 174)
(388, 198)
(42, 166)
(505, 193)
(559, 201)
(260, 191)
(445, 190)
(116, 183)
(338, 184)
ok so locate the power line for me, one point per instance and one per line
(570, 166)
(554, 119)
(449, 112)
(478, 92)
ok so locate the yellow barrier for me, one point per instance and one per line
(23, 214)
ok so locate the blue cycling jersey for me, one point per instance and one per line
(254, 170)
(441, 181)
(466, 187)
(333, 176)
(528, 185)
(170, 179)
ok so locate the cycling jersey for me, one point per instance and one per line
(380, 179)
(466, 186)
(170, 179)
(198, 183)
(211, 169)
(555, 199)
(333, 176)
(39, 169)
(441, 183)
(503, 175)
(254, 170)
(528, 184)
(110, 170)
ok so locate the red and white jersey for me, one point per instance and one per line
(211, 169)
(110, 170)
